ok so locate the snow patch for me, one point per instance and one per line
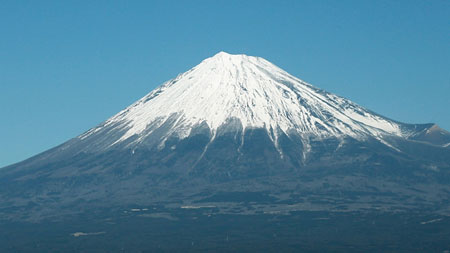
(430, 221)
(78, 234)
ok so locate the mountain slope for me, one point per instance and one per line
(231, 126)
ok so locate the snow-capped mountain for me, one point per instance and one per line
(249, 91)
(236, 124)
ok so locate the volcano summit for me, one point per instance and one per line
(241, 135)
(235, 93)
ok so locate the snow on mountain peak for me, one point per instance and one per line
(253, 91)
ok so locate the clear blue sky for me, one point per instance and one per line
(66, 66)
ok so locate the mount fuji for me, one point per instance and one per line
(239, 134)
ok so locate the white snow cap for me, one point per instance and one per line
(255, 91)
